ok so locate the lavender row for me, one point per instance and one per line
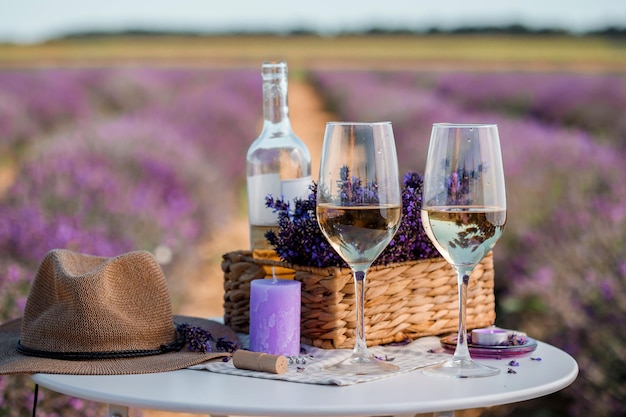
(147, 165)
(591, 102)
(560, 266)
(35, 102)
(153, 177)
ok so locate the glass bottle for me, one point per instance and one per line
(278, 162)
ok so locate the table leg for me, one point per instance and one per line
(117, 411)
(444, 414)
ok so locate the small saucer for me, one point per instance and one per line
(499, 351)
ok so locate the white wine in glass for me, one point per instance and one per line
(359, 207)
(464, 214)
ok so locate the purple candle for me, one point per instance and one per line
(275, 316)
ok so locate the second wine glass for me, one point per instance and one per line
(359, 207)
(464, 214)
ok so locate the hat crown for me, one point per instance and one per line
(84, 303)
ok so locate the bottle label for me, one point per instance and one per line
(298, 187)
(259, 186)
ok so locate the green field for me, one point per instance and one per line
(456, 52)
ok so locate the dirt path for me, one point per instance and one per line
(203, 296)
(7, 176)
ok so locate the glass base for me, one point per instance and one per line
(361, 365)
(464, 368)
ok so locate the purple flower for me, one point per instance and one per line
(199, 340)
(300, 240)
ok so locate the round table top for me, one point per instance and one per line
(193, 391)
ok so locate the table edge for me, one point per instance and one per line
(48, 381)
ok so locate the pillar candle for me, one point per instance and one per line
(275, 316)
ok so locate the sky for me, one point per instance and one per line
(30, 21)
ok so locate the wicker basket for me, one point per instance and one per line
(403, 300)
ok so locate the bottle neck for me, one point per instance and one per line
(275, 106)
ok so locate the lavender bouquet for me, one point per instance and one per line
(300, 241)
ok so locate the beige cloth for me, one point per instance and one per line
(415, 355)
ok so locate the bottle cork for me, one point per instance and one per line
(258, 361)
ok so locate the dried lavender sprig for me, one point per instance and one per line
(202, 341)
(300, 241)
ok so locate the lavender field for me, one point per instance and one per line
(109, 160)
(561, 264)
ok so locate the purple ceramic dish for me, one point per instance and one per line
(449, 344)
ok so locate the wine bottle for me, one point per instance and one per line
(278, 163)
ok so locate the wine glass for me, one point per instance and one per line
(359, 207)
(464, 214)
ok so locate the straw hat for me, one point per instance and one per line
(89, 315)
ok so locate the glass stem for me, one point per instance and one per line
(360, 347)
(461, 352)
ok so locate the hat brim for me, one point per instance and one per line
(12, 362)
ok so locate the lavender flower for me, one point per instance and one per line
(300, 241)
(202, 341)
(410, 241)
(353, 191)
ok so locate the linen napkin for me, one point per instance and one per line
(308, 367)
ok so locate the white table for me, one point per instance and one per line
(204, 392)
